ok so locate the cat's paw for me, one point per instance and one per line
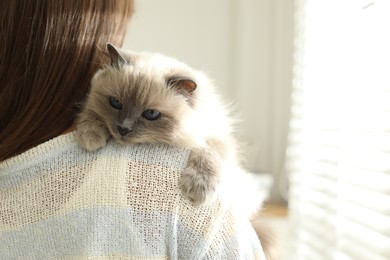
(92, 140)
(198, 186)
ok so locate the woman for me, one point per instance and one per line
(59, 201)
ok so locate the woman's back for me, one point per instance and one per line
(121, 202)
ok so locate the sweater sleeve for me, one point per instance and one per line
(215, 231)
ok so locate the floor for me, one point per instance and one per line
(276, 215)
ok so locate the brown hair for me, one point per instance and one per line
(49, 52)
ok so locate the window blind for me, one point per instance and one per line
(338, 157)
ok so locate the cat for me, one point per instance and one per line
(150, 98)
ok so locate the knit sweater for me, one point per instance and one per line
(58, 201)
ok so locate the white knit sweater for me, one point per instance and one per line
(58, 201)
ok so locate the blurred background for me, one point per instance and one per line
(310, 83)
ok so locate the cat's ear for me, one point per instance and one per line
(117, 58)
(183, 85)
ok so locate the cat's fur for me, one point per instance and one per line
(192, 115)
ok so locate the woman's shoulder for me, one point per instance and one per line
(39, 153)
(62, 175)
(64, 151)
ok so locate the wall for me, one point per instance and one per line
(246, 47)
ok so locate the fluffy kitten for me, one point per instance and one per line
(150, 98)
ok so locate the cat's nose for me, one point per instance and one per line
(123, 130)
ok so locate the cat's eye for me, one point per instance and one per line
(115, 103)
(151, 114)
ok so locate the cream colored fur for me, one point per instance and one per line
(192, 118)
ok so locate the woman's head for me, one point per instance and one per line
(50, 50)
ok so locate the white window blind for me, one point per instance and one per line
(339, 144)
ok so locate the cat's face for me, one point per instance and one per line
(143, 100)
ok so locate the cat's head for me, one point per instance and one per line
(142, 97)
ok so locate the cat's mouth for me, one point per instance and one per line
(121, 134)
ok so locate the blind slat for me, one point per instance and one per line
(369, 198)
(372, 219)
(373, 180)
(350, 250)
(365, 237)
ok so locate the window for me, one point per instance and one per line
(338, 157)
